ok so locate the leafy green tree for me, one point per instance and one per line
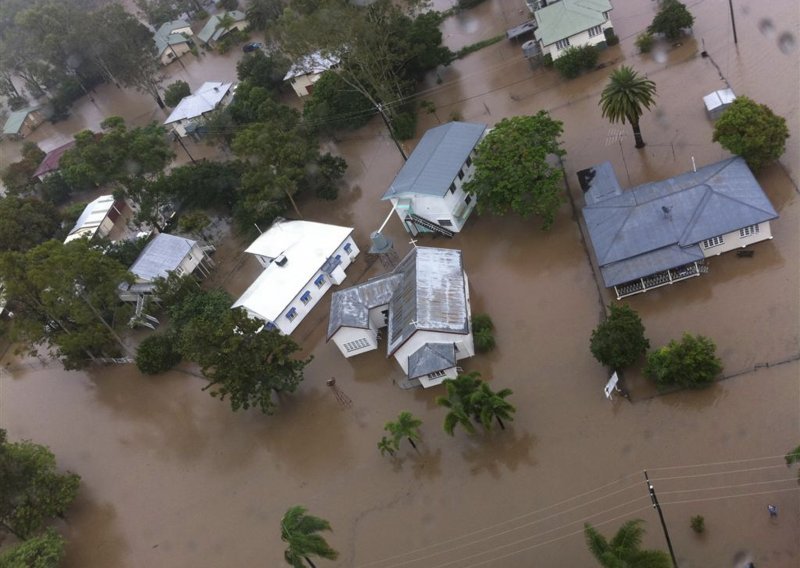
(188, 303)
(300, 532)
(243, 362)
(33, 490)
(512, 172)
(619, 340)
(64, 297)
(43, 551)
(324, 176)
(229, 4)
(576, 60)
(691, 362)
(124, 252)
(26, 222)
(458, 402)
(18, 176)
(482, 328)
(672, 18)
(193, 222)
(406, 426)
(793, 457)
(157, 354)
(388, 446)
(335, 105)
(263, 13)
(752, 131)
(644, 42)
(176, 92)
(202, 185)
(624, 550)
(55, 190)
(624, 98)
(488, 405)
(262, 70)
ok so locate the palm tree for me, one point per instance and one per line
(624, 549)
(407, 426)
(299, 531)
(387, 445)
(488, 404)
(458, 402)
(624, 96)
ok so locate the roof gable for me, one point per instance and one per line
(313, 64)
(161, 256)
(212, 29)
(566, 18)
(204, 100)
(435, 162)
(430, 358)
(17, 118)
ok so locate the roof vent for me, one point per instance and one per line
(281, 260)
(666, 210)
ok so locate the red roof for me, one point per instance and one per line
(50, 161)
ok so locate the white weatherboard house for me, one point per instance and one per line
(307, 71)
(301, 260)
(428, 193)
(192, 110)
(98, 218)
(423, 303)
(661, 232)
(173, 39)
(570, 23)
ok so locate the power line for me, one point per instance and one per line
(729, 486)
(717, 463)
(733, 496)
(731, 472)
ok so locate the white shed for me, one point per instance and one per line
(717, 102)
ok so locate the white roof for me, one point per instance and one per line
(161, 256)
(311, 65)
(720, 98)
(306, 246)
(205, 99)
(91, 218)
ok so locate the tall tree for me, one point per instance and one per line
(691, 362)
(42, 551)
(33, 491)
(625, 98)
(261, 14)
(512, 171)
(26, 222)
(619, 340)
(406, 426)
(488, 405)
(624, 550)
(752, 131)
(176, 92)
(64, 297)
(672, 18)
(300, 532)
(458, 402)
(18, 176)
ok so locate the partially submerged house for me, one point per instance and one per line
(301, 261)
(21, 123)
(98, 218)
(192, 110)
(569, 23)
(306, 72)
(423, 304)
(717, 102)
(216, 28)
(661, 232)
(50, 163)
(173, 39)
(428, 191)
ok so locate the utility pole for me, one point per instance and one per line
(657, 507)
(379, 107)
(733, 22)
(180, 141)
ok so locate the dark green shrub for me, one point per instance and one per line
(690, 362)
(175, 92)
(644, 42)
(619, 341)
(698, 524)
(482, 328)
(672, 19)
(611, 37)
(466, 4)
(547, 60)
(157, 354)
(404, 124)
(575, 60)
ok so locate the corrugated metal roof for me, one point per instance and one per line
(566, 18)
(212, 31)
(166, 35)
(17, 118)
(311, 65)
(91, 218)
(436, 160)
(162, 255)
(52, 158)
(654, 218)
(719, 99)
(205, 99)
(430, 358)
(426, 291)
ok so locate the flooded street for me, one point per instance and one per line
(173, 478)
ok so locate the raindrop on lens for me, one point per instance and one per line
(766, 27)
(660, 55)
(786, 42)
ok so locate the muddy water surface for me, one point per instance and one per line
(173, 478)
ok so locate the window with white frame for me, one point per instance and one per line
(320, 281)
(713, 242)
(562, 43)
(453, 187)
(356, 345)
(461, 174)
(348, 248)
(748, 231)
(306, 297)
(445, 222)
(179, 271)
(469, 161)
(595, 31)
(437, 374)
(291, 314)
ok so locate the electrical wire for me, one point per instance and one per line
(717, 473)
(727, 486)
(716, 463)
(731, 496)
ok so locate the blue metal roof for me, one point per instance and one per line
(436, 160)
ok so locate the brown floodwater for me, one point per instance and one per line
(173, 478)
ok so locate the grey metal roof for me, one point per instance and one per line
(164, 36)
(213, 31)
(658, 225)
(161, 255)
(436, 160)
(426, 291)
(430, 358)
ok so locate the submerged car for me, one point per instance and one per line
(249, 47)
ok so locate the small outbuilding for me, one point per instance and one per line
(214, 31)
(22, 122)
(717, 102)
(306, 72)
(98, 218)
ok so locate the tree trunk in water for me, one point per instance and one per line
(413, 445)
(309, 562)
(637, 134)
(291, 199)
(160, 102)
(502, 426)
